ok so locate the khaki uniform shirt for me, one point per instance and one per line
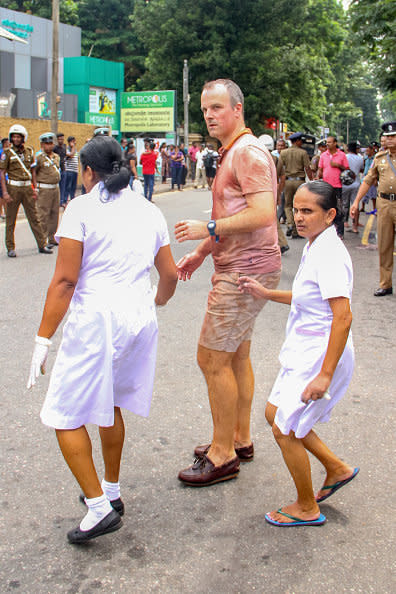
(10, 164)
(47, 169)
(382, 172)
(294, 160)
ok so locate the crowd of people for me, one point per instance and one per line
(111, 306)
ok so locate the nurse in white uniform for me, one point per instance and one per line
(317, 357)
(109, 239)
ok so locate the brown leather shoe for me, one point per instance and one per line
(204, 473)
(245, 453)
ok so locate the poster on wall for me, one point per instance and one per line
(102, 107)
(148, 111)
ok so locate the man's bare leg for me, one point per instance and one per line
(243, 372)
(223, 397)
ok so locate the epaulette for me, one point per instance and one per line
(380, 154)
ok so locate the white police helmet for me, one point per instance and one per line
(48, 137)
(18, 129)
(267, 141)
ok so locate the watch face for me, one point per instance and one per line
(211, 227)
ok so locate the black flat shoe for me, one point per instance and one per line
(45, 250)
(383, 292)
(110, 523)
(116, 504)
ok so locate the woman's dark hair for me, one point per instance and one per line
(326, 197)
(103, 155)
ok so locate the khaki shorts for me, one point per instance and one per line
(230, 314)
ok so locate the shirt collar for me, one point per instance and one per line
(224, 149)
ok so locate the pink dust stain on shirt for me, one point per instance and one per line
(247, 168)
(331, 175)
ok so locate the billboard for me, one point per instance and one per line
(148, 111)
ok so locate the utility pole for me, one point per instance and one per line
(186, 100)
(55, 66)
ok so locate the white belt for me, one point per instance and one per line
(14, 182)
(47, 186)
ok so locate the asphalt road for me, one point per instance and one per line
(177, 539)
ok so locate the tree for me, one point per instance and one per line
(374, 23)
(43, 8)
(108, 34)
(268, 48)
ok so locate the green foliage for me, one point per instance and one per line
(43, 8)
(374, 24)
(272, 50)
(108, 34)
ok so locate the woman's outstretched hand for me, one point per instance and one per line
(253, 287)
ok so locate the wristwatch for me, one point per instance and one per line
(212, 229)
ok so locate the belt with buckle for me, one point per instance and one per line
(296, 178)
(14, 182)
(47, 186)
(391, 197)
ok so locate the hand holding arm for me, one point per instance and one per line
(258, 291)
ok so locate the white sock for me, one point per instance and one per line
(111, 490)
(98, 508)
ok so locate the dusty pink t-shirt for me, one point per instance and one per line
(331, 175)
(247, 168)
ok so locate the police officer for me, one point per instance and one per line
(18, 161)
(101, 132)
(295, 163)
(48, 176)
(383, 170)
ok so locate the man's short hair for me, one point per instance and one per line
(70, 138)
(234, 92)
(59, 134)
(3, 140)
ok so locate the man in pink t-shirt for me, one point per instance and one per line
(192, 155)
(331, 163)
(242, 238)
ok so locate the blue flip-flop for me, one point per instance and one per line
(333, 488)
(296, 521)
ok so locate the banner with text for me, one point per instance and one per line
(148, 111)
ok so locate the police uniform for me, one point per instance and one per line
(282, 241)
(18, 162)
(383, 170)
(48, 176)
(295, 162)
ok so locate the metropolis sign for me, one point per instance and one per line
(148, 111)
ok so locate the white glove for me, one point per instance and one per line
(137, 186)
(39, 359)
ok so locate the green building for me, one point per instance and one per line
(98, 85)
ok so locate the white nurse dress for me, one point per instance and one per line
(108, 350)
(325, 272)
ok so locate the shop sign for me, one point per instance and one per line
(148, 111)
(18, 29)
(101, 119)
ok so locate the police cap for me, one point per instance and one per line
(321, 142)
(295, 136)
(47, 137)
(375, 144)
(102, 132)
(389, 128)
